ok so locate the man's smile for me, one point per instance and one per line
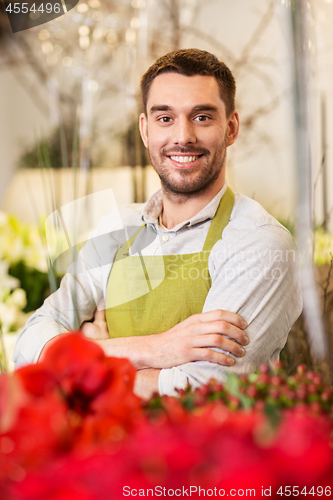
(185, 161)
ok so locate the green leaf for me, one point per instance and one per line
(273, 413)
(252, 377)
(232, 385)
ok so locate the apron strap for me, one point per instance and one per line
(218, 224)
(124, 249)
(220, 220)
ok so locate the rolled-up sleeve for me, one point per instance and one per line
(74, 302)
(256, 275)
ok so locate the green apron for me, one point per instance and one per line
(151, 294)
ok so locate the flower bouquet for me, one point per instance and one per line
(71, 428)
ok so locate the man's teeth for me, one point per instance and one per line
(184, 159)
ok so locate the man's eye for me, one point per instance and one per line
(165, 119)
(201, 118)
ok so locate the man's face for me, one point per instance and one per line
(187, 132)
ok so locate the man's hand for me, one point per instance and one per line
(97, 330)
(190, 340)
(193, 338)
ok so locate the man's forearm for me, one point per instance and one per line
(190, 340)
(136, 349)
(146, 383)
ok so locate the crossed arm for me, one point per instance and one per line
(270, 300)
(190, 340)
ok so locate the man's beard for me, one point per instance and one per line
(208, 174)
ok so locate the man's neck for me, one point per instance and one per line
(179, 207)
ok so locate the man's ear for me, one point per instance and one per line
(143, 125)
(233, 127)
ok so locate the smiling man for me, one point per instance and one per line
(205, 281)
(187, 131)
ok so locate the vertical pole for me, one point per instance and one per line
(324, 158)
(312, 314)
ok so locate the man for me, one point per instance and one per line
(202, 273)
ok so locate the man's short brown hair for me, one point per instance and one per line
(191, 62)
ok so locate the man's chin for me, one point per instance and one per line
(184, 188)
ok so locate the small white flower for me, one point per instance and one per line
(7, 281)
(8, 317)
(10, 340)
(18, 298)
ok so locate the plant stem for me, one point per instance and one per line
(3, 362)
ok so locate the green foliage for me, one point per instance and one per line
(34, 282)
(58, 152)
(323, 242)
(233, 386)
(323, 252)
(270, 390)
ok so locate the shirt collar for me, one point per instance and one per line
(153, 209)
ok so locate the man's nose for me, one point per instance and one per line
(184, 132)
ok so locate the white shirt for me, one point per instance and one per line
(254, 269)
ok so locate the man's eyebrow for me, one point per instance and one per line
(205, 107)
(195, 109)
(159, 107)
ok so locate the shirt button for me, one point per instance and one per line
(165, 237)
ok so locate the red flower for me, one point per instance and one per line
(63, 423)
(37, 380)
(75, 396)
(96, 388)
(302, 450)
(37, 432)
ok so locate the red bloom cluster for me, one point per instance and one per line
(273, 388)
(76, 398)
(72, 429)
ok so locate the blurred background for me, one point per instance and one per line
(69, 101)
